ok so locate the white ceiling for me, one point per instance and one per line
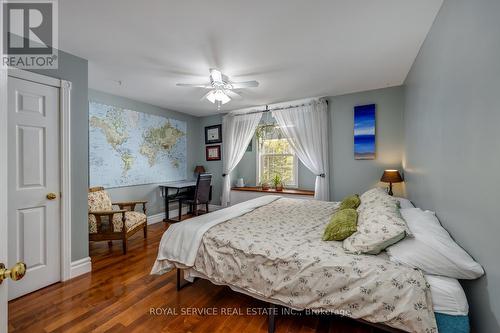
(294, 48)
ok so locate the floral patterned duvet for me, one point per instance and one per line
(276, 252)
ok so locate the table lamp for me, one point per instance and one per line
(391, 176)
(199, 169)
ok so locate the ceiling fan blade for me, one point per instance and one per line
(246, 84)
(205, 96)
(194, 85)
(233, 94)
(215, 75)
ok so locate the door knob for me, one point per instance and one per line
(17, 272)
(51, 196)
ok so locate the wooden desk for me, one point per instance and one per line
(179, 189)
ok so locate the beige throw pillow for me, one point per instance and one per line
(380, 224)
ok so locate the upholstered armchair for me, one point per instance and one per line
(106, 223)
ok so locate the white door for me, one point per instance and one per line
(3, 181)
(33, 184)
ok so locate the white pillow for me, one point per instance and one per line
(432, 249)
(448, 297)
(404, 203)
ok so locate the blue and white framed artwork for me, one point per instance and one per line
(364, 132)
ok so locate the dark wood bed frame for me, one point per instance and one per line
(271, 323)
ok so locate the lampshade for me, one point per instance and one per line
(218, 95)
(391, 176)
(199, 169)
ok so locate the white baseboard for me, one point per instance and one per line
(174, 213)
(156, 218)
(82, 266)
(79, 267)
(214, 207)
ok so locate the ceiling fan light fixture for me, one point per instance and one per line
(218, 96)
(221, 88)
(216, 75)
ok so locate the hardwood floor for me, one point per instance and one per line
(119, 294)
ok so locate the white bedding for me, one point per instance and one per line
(432, 249)
(404, 203)
(180, 243)
(274, 252)
(448, 296)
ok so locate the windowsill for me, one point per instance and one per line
(285, 190)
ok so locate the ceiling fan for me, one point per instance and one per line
(221, 88)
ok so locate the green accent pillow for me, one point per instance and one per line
(342, 225)
(352, 201)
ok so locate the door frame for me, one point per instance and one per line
(65, 158)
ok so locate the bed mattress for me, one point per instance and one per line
(452, 324)
(276, 253)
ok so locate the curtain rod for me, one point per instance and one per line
(278, 109)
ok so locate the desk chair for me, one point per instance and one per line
(200, 196)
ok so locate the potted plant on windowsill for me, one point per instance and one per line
(264, 184)
(278, 183)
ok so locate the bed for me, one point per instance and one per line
(264, 249)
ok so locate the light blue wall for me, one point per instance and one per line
(75, 69)
(213, 167)
(151, 192)
(347, 174)
(452, 140)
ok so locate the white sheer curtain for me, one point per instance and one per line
(306, 129)
(237, 131)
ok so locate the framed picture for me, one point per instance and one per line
(213, 134)
(364, 132)
(213, 153)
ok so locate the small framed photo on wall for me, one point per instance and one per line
(213, 134)
(213, 153)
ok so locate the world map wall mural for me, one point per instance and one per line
(132, 148)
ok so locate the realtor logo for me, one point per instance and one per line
(30, 34)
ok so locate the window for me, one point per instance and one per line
(275, 157)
